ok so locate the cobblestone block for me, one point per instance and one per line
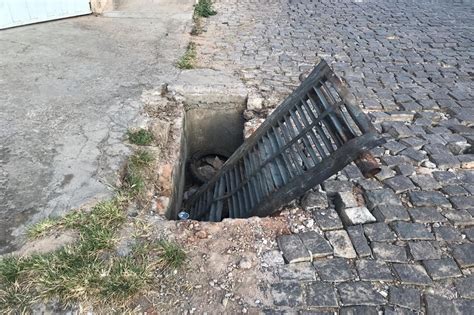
(412, 274)
(287, 294)
(321, 295)
(293, 248)
(334, 186)
(423, 250)
(425, 182)
(464, 254)
(370, 184)
(463, 306)
(359, 293)
(390, 213)
(303, 271)
(345, 199)
(327, 219)
(412, 231)
(316, 244)
(341, 243)
(426, 215)
(356, 234)
(415, 155)
(454, 190)
(447, 234)
(428, 199)
(394, 146)
(359, 310)
(459, 217)
(376, 198)
(395, 310)
(442, 268)
(379, 232)
(373, 270)
(389, 252)
(334, 270)
(405, 297)
(385, 172)
(445, 161)
(469, 232)
(462, 202)
(446, 178)
(399, 184)
(465, 287)
(314, 200)
(438, 305)
(405, 169)
(357, 215)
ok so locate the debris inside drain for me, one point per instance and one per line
(204, 165)
(313, 134)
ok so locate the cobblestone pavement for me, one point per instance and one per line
(411, 65)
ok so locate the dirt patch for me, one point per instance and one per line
(225, 270)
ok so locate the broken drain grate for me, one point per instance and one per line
(312, 135)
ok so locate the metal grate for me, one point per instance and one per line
(312, 135)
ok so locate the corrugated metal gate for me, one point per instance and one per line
(312, 135)
(21, 12)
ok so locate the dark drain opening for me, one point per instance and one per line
(211, 135)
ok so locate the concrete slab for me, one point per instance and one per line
(70, 90)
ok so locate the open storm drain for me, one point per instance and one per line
(312, 135)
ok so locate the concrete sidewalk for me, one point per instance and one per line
(70, 90)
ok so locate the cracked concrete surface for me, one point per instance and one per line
(70, 90)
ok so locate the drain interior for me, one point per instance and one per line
(210, 136)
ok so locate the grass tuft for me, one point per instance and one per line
(89, 270)
(41, 228)
(188, 60)
(204, 9)
(172, 255)
(141, 158)
(140, 137)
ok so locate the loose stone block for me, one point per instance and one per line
(390, 213)
(446, 178)
(345, 199)
(357, 215)
(389, 252)
(287, 294)
(412, 274)
(314, 200)
(464, 254)
(399, 184)
(303, 271)
(327, 219)
(454, 190)
(405, 169)
(334, 270)
(316, 244)
(359, 293)
(382, 197)
(379, 232)
(412, 231)
(415, 155)
(341, 243)
(426, 215)
(334, 186)
(293, 248)
(465, 287)
(356, 234)
(321, 294)
(424, 250)
(405, 297)
(373, 270)
(442, 268)
(428, 199)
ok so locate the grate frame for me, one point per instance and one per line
(313, 134)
